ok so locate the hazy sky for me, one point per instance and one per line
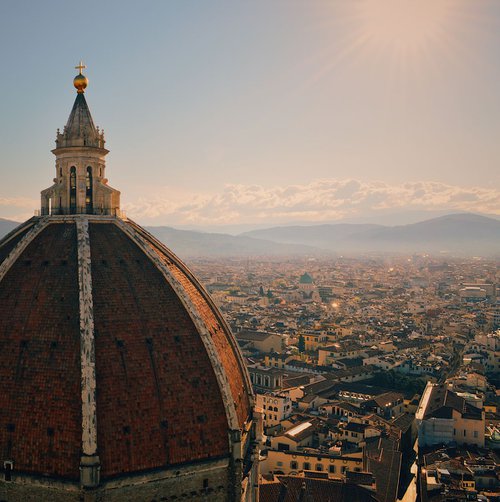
(262, 111)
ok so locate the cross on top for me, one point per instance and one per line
(80, 67)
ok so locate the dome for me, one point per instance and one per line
(305, 278)
(169, 379)
(117, 370)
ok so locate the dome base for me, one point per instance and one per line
(202, 481)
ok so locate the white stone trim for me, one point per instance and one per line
(16, 231)
(87, 345)
(220, 374)
(21, 246)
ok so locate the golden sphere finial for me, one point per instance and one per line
(80, 81)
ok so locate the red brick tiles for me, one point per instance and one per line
(158, 401)
(40, 406)
(220, 336)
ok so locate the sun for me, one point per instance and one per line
(404, 26)
(407, 39)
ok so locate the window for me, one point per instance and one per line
(8, 465)
(465, 432)
(319, 467)
(476, 434)
(279, 464)
(306, 466)
(72, 190)
(331, 469)
(294, 464)
(88, 191)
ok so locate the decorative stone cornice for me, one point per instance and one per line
(89, 465)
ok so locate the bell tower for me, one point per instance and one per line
(80, 185)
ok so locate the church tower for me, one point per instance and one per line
(120, 379)
(80, 185)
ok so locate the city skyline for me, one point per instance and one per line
(269, 113)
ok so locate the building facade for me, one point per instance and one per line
(443, 417)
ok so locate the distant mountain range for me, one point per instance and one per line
(385, 217)
(461, 234)
(190, 243)
(6, 226)
(456, 234)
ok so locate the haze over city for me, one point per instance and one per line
(249, 251)
(225, 114)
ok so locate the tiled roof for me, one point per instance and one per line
(40, 407)
(442, 402)
(382, 400)
(152, 366)
(307, 489)
(384, 461)
(158, 397)
(404, 421)
(257, 336)
(356, 427)
(80, 121)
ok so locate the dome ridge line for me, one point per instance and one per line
(221, 377)
(90, 464)
(16, 231)
(22, 245)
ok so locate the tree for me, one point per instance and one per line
(301, 345)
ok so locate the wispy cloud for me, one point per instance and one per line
(320, 200)
(20, 202)
(17, 208)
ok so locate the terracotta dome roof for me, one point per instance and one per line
(107, 337)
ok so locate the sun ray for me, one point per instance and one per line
(403, 39)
